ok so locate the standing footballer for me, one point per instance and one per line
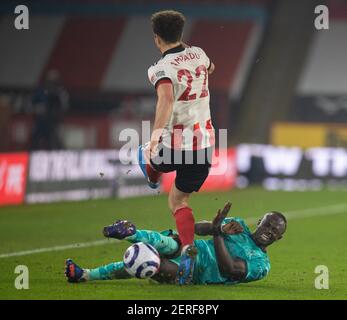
(182, 139)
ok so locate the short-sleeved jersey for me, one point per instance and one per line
(240, 246)
(189, 127)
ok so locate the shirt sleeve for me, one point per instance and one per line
(227, 220)
(158, 74)
(239, 220)
(257, 269)
(207, 60)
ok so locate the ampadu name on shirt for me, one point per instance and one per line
(185, 57)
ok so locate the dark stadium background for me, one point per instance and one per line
(72, 82)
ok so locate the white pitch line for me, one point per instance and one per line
(59, 248)
(309, 212)
(297, 214)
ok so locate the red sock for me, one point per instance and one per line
(153, 174)
(185, 225)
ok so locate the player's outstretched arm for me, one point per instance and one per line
(203, 228)
(228, 266)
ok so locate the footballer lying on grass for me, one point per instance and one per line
(234, 254)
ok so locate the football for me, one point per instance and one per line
(141, 260)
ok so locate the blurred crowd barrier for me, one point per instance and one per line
(52, 176)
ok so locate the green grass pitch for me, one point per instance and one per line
(310, 240)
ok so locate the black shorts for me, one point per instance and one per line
(192, 167)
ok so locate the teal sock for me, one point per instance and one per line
(110, 271)
(164, 245)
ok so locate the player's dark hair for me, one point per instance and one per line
(281, 215)
(168, 25)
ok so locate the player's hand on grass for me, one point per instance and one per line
(217, 221)
(232, 227)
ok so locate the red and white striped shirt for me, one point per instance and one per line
(189, 127)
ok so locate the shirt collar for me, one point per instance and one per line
(179, 48)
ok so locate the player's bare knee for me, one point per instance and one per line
(177, 200)
(178, 205)
(174, 206)
(174, 201)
